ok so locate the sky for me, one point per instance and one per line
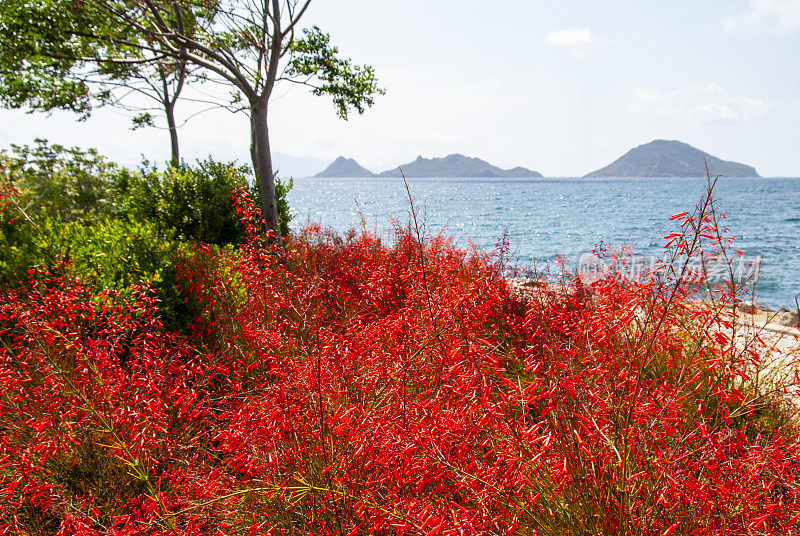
(563, 88)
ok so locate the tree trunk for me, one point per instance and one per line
(173, 133)
(262, 162)
(253, 156)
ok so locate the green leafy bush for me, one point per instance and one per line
(72, 211)
(111, 254)
(65, 183)
(191, 201)
(196, 202)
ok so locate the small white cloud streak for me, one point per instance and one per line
(772, 16)
(581, 42)
(697, 104)
(713, 113)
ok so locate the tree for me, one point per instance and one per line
(57, 54)
(161, 81)
(252, 46)
(248, 45)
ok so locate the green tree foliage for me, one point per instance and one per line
(110, 254)
(40, 48)
(350, 86)
(65, 54)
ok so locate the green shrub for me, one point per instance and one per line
(65, 183)
(118, 227)
(195, 201)
(111, 254)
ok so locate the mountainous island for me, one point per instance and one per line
(345, 167)
(663, 158)
(454, 165)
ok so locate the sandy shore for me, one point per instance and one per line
(780, 329)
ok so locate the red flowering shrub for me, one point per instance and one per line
(349, 386)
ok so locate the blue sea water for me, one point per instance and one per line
(545, 218)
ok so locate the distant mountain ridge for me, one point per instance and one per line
(670, 158)
(456, 165)
(345, 167)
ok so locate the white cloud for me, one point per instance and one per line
(697, 104)
(713, 113)
(581, 42)
(773, 16)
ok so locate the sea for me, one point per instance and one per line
(553, 225)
